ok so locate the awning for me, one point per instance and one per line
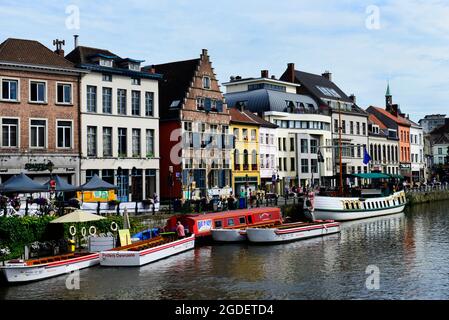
(22, 184)
(371, 175)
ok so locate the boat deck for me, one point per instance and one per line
(147, 244)
(44, 260)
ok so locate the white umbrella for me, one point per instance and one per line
(78, 216)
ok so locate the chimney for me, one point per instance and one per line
(327, 75)
(58, 43)
(232, 78)
(75, 37)
(273, 77)
(264, 74)
(394, 110)
(152, 69)
(353, 98)
(204, 52)
(291, 72)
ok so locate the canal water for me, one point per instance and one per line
(410, 251)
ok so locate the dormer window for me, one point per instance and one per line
(135, 81)
(206, 82)
(106, 63)
(134, 66)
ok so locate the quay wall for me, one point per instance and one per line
(416, 197)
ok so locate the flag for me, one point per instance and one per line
(366, 156)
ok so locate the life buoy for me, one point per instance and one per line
(72, 230)
(114, 226)
(83, 231)
(94, 230)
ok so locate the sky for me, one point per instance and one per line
(364, 44)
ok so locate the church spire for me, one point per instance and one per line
(388, 98)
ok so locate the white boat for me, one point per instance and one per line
(147, 251)
(353, 208)
(292, 231)
(16, 271)
(229, 235)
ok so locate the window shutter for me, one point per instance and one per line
(219, 106)
(207, 104)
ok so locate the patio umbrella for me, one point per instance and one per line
(22, 184)
(61, 185)
(96, 184)
(78, 216)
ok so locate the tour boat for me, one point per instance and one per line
(202, 224)
(16, 271)
(292, 231)
(353, 208)
(229, 235)
(147, 251)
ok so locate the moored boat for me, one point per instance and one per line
(292, 231)
(147, 251)
(16, 271)
(229, 235)
(353, 208)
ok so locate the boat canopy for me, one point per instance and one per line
(371, 175)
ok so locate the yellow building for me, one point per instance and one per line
(245, 158)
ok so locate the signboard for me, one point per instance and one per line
(96, 196)
(125, 237)
(405, 166)
(204, 225)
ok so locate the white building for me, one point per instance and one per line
(432, 122)
(119, 122)
(440, 147)
(303, 128)
(268, 152)
(417, 152)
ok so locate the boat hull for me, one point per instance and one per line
(275, 235)
(140, 258)
(346, 209)
(229, 235)
(19, 272)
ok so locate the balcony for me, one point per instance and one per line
(245, 167)
(237, 167)
(254, 167)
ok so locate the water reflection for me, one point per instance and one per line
(410, 250)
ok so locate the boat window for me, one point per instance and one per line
(347, 206)
(218, 224)
(364, 205)
(357, 205)
(231, 222)
(250, 220)
(385, 204)
(352, 206)
(242, 220)
(377, 205)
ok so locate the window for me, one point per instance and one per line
(64, 134)
(64, 93)
(38, 133)
(92, 141)
(304, 146)
(107, 77)
(364, 129)
(200, 103)
(245, 134)
(351, 127)
(91, 99)
(135, 103)
(136, 143)
(285, 164)
(121, 101)
(107, 142)
(10, 133)
(231, 222)
(38, 91)
(107, 100)
(292, 144)
(150, 143)
(292, 164)
(314, 165)
(149, 98)
(313, 146)
(304, 165)
(135, 81)
(343, 126)
(336, 126)
(284, 144)
(253, 135)
(218, 224)
(122, 145)
(206, 82)
(10, 90)
(106, 63)
(242, 220)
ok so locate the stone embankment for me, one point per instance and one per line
(428, 194)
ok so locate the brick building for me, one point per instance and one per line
(39, 112)
(194, 130)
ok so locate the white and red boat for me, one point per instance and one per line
(229, 235)
(147, 251)
(17, 271)
(292, 231)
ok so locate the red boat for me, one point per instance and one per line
(201, 224)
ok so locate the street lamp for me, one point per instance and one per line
(170, 187)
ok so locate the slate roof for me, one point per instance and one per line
(177, 78)
(238, 116)
(31, 52)
(82, 54)
(264, 100)
(382, 113)
(376, 121)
